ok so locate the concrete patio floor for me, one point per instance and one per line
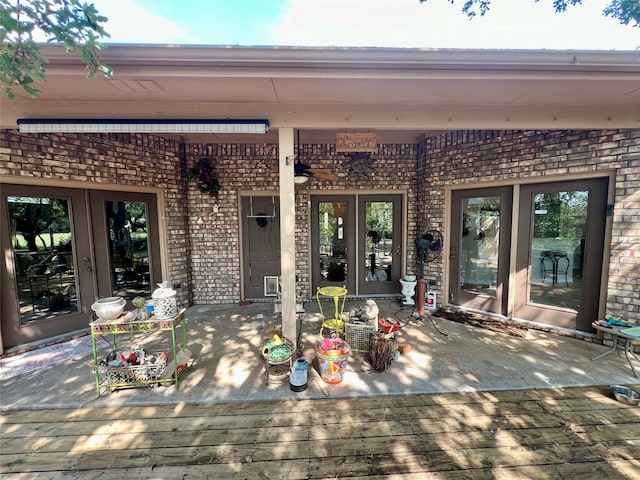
(226, 343)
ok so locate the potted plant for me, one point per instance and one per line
(204, 173)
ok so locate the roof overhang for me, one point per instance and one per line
(402, 94)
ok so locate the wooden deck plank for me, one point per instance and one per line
(333, 412)
(577, 395)
(352, 457)
(204, 451)
(603, 470)
(448, 418)
(463, 438)
(575, 433)
(402, 422)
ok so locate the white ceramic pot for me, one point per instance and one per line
(109, 308)
(164, 302)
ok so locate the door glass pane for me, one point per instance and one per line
(333, 241)
(479, 245)
(42, 244)
(378, 242)
(557, 248)
(128, 248)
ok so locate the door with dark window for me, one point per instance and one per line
(379, 243)
(356, 241)
(260, 246)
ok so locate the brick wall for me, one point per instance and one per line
(215, 243)
(109, 160)
(474, 157)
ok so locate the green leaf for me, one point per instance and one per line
(34, 92)
(70, 23)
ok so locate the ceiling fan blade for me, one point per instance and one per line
(323, 173)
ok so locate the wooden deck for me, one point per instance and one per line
(534, 434)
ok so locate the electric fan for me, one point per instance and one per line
(428, 245)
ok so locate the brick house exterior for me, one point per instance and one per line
(198, 254)
(203, 256)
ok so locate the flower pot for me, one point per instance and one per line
(333, 363)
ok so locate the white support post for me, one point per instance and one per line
(287, 234)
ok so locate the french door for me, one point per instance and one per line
(379, 244)
(479, 248)
(64, 248)
(560, 252)
(559, 248)
(356, 242)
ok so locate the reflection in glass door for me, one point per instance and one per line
(126, 238)
(333, 241)
(378, 241)
(379, 246)
(479, 248)
(42, 244)
(128, 249)
(561, 231)
(557, 248)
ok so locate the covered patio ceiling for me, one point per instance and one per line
(401, 94)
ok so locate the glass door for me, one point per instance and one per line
(333, 241)
(380, 243)
(479, 250)
(65, 248)
(356, 242)
(559, 261)
(47, 271)
(125, 232)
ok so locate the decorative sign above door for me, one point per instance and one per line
(356, 142)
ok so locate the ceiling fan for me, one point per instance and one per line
(428, 246)
(303, 172)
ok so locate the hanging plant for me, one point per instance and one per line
(204, 173)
